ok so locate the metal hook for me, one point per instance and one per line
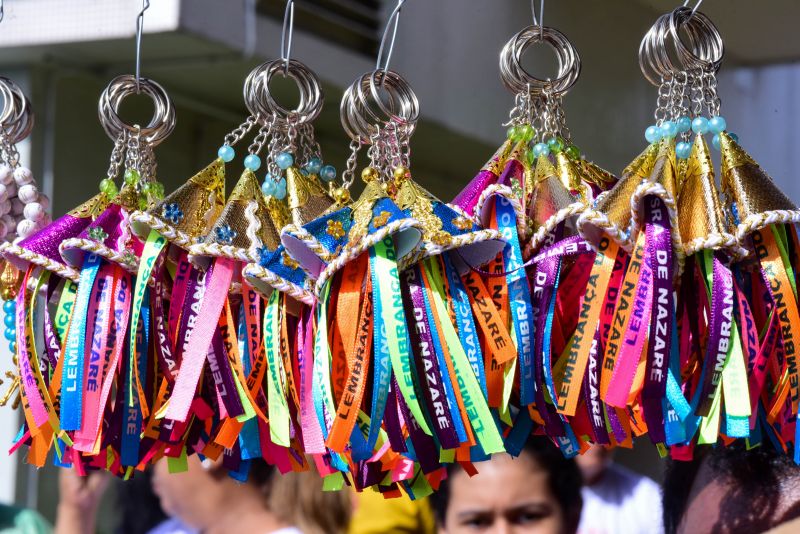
(286, 42)
(139, 28)
(540, 20)
(394, 17)
(694, 8)
(2, 10)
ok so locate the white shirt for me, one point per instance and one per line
(174, 526)
(621, 502)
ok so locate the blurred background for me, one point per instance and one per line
(63, 53)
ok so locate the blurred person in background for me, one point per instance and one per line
(375, 514)
(204, 498)
(615, 499)
(17, 520)
(538, 492)
(732, 489)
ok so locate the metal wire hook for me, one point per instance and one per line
(2, 10)
(286, 41)
(139, 28)
(393, 18)
(540, 20)
(695, 6)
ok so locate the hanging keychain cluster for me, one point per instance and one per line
(379, 339)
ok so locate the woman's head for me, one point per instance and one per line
(204, 495)
(540, 491)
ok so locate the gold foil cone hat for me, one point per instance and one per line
(444, 228)
(242, 227)
(187, 213)
(572, 176)
(552, 203)
(663, 183)
(757, 200)
(611, 213)
(306, 197)
(703, 224)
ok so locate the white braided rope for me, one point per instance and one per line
(523, 228)
(303, 235)
(176, 237)
(364, 244)
(125, 236)
(716, 241)
(217, 250)
(64, 271)
(256, 273)
(598, 220)
(428, 250)
(574, 209)
(761, 220)
(653, 188)
(93, 247)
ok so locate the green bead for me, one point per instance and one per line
(143, 203)
(530, 156)
(108, 187)
(157, 190)
(573, 152)
(526, 132)
(556, 144)
(131, 177)
(513, 133)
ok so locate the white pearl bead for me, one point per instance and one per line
(5, 209)
(23, 175)
(11, 189)
(8, 220)
(25, 228)
(33, 211)
(28, 193)
(3, 193)
(17, 206)
(44, 201)
(6, 174)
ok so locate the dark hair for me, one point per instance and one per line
(563, 479)
(754, 476)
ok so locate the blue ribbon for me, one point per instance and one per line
(129, 454)
(72, 397)
(249, 442)
(382, 364)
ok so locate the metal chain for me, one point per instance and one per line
(9, 149)
(148, 164)
(663, 101)
(260, 138)
(697, 94)
(240, 131)
(134, 145)
(308, 144)
(349, 174)
(712, 100)
(117, 155)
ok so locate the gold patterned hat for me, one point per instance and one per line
(611, 212)
(702, 221)
(245, 225)
(305, 195)
(188, 212)
(42, 248)
(552, 202)
(663, 183)
(370, 219)
(108, 235)
(444, 228)
(756, 199)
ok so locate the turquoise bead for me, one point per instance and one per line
(717, 124)
(555, 144)
(652, 133)
(226, 153)
(280, 189)
(684, 124)
(314, 165)
(541, 149)
(669, 129)
(284, 160)
(10, 334)
(683, 149)
(9, 320)
(12, 347)
(252, 162)
(268, 187)
(10, 306)
(700, 125)
(733, 136)
(328, 173)
(715, 141)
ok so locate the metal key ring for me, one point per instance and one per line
(17, 117)
(159, 127)
(359, 118)
(261, 103)
(518, 80)
(662, 52)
